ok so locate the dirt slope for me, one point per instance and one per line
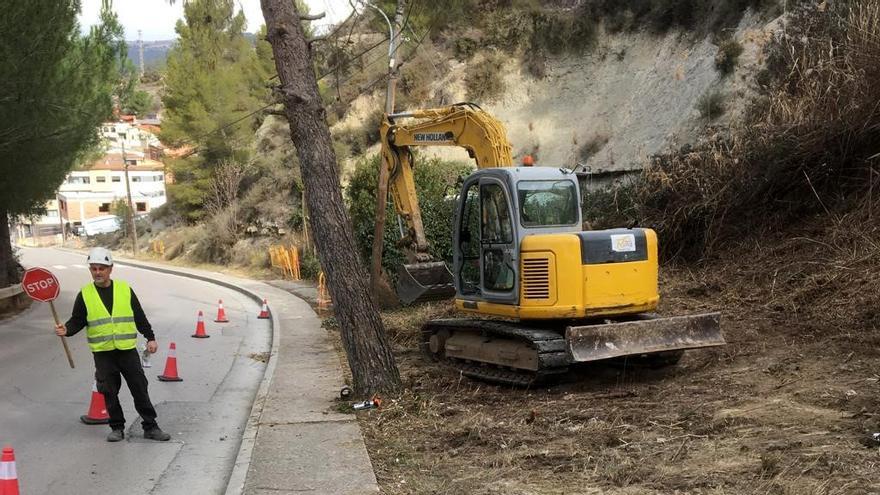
(630, 97)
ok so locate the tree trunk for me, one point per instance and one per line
(366, 345)
(8, 266)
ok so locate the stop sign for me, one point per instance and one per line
(40, 284)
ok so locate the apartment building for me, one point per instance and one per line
(91, 193)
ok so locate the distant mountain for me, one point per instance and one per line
(155, 52)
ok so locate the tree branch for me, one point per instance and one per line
(311, 17)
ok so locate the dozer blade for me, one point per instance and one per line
(610, 340)
(421, 282)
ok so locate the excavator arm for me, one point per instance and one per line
(463, 125)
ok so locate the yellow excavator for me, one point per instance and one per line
(546, 293)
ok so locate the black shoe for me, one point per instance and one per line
(116, 436)
(156, 434)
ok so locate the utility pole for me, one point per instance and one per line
(141, 51)
(133, 228)
(382, 190)
(60, 219)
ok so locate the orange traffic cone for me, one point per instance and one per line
(170, 374)
(97, 414)
(8, 476)
(264, 313)
(200, 328)
(221, 313)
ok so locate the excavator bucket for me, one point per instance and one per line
(421, 282)
(648, 336)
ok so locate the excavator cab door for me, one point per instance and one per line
(486, 253)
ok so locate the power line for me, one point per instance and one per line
(225, 126)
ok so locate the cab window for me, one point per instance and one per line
(496, 224)
(544, 203)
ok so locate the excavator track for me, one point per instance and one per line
(540, 353)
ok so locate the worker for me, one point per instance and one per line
(112, 313)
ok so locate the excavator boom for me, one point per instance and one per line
(463, 125)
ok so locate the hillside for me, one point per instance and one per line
(631, 94)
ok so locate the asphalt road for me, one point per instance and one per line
(41, 398)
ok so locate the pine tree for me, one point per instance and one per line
(214, 82)
(54, 93)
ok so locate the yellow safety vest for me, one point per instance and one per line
(107, 332)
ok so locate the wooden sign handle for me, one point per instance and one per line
(63, 340)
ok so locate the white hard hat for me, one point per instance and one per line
(100, 256)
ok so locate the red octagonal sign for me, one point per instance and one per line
(40, 284)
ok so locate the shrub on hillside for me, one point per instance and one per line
(728, 54)
(561, 32)
(484, 81)
(799, 151)
(416, 76)
(464, 47)
(711, 105)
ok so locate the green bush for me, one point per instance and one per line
(416, 77)
(711, 105)
(436, 185)
(611, 206)
(483, 81)
(464, 48)
(309, 266)
(728, 54)
(562, 32)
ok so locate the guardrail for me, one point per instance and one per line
(11, 291)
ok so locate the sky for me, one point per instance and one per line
(156, 18)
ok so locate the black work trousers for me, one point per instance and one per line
(110, 367)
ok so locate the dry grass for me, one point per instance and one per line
(403, 325)
(808, 145)
(780, 409)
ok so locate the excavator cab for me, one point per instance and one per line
(498, 209)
